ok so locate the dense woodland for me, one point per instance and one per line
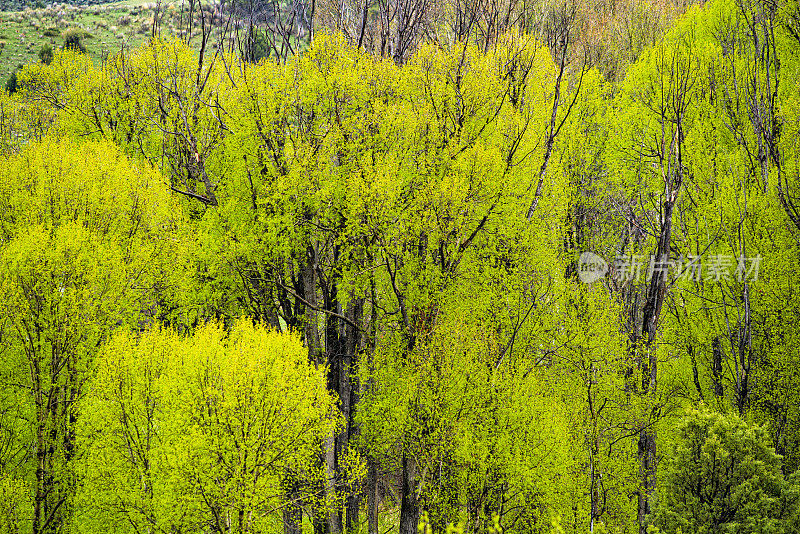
(491, 266)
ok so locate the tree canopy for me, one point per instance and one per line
(439, 270)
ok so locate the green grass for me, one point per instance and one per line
(108, 27)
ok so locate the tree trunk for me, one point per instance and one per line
(311, 327)
(334, 515)
(333, 351)
(716, 367)
(647, 474)
(292, 519)
(409, 505)
(349, 393)
(372, 497)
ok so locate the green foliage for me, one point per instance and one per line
(46, 54)
(13, 504)
(73, 39)
(12, 84)
(722, 476)
(182, 433)
(439, 355)
(82, 232)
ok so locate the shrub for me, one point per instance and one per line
(73, 39)
(46, 54)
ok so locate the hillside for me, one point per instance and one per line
(105, 29)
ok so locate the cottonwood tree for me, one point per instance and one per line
(199, 431)
(559, 30)
(75, 265)
(663, 93)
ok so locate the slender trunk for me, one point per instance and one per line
(372, 468)
(647, 468)
(744, 347)
(334, 518)
(695, 373)
(349, 393)
(560, 45)
(334, 356)
(364, 13)
(311, 327)
(41, 455)
(292, 512)
(549, 141)
(372, 497)
(409, 505)
(716, 367)
(649, 362)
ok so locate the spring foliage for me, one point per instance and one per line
(342, 292)
(185, 432)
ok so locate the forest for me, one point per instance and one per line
(411, 266)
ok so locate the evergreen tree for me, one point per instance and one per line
(46, 54)
(12, 84)
(722, 476)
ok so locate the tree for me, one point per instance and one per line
(722, 476)
(660, 91)
(76, 262)
(12, 83)
(188, 433)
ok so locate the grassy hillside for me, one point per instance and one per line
(105, 29)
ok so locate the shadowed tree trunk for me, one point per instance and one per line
(409, 505)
